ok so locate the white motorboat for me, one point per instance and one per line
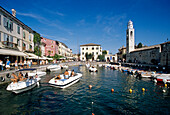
(64, 67)
(32, 72)
(92, 69)
(54, 67)
(26, 84)
(22, 86)
(64, 83)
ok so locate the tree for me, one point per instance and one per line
(139, 45)
(56, 56)
(37, 38)
(104, 52)
(49, 52)
(88, 56)
(37, 51)
(101, 57)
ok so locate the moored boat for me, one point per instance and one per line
(93, 69)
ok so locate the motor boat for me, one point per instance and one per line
(64, 83)
(53, 67)
(64, 67)
(92, 69)
(24, 85)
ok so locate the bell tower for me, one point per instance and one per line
(130, 38)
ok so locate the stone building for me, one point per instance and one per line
(165, 54)
(155, 54)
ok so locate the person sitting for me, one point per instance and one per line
(26, 75)
(15, 79)
(57, 77)
(20, 76)
(66, 74)
(72, 73)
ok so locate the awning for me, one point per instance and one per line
(32, 56)
(46, 58)
(12, 52)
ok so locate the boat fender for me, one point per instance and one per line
(2, 79)
(8, 75)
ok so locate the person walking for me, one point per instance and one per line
(25, 63)
(16, 64)
(8, 64)
(1, 65)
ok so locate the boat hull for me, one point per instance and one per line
(64, 83)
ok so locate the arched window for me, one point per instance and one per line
(131, 33)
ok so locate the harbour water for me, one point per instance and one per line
(77, 99)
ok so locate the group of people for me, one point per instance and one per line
(20, 77)
(67, 74)
(20, 65)
(7, 65)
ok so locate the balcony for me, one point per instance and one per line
(9, 45)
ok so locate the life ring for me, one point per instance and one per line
(8, 75)
(2, 79)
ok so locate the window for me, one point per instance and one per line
(83, 58)
(18, 42)
(51, 52)
(29, 37)
(82, 48)
(97, 53)
(23, 34)
(97, 48)
(82, 53)
(30, 46)
(86, 48)
(6, 37)
(11, 39)
(18, 29)
(8, 24)
(52, 46)
(92, 48)
(93, 53)
(51, 41)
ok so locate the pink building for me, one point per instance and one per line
(51, 47)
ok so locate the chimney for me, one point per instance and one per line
(14, 12)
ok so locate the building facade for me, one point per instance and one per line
(165, 54)
(91, 48)
(64, 50)
(51, 47)
(14, 35)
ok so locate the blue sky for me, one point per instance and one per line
(104, 22)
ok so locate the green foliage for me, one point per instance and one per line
(88, 56)
(56, 56)
(37, 38)
(49, 52)
(101, 57)
(139, 45)
(37, 51)
(104, 52)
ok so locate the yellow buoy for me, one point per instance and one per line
(130, 90)
(143, 89)
(165, 85)
(90, 86)
(112, 90)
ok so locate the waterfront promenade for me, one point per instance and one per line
(5, 79)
